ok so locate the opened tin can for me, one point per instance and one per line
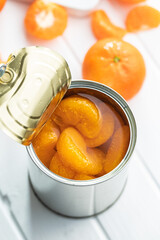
(76, 198)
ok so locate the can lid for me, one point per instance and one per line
(31, 86)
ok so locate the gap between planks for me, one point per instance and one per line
(5, 208)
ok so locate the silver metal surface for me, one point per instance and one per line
(83, 198)
(32, 84)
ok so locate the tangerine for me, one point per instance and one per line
(103, 28)
(142, 18)
(44, 143)
(83, 177)
(72, 150)
(45, 20)
(116, 64)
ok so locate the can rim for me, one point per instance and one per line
(133, 136)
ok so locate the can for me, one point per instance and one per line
(74, 198)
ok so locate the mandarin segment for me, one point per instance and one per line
(79, 112)
(105, 133)
(58, 168)
(103, 28)
(45, 20)
(44, 143)
(142, 18)
(117, 148)
(116, 64)
(83, 177)
(72, 150)
(118, 121)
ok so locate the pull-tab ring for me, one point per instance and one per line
(2, 69)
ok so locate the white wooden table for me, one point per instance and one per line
(136, 215)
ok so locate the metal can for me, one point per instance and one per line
(76, 198)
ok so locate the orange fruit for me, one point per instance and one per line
(117, 64)
(45, 142)
(45, 20)
(102, 26)
(105, 133)
(58, 168)
(2, 3)
(83, 177)
(142, 18)
(79, 112)
(72, 150)
(131, 1)
(117, 148)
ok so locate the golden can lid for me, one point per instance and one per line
(32, 84)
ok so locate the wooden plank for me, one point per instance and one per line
(9, 228)
(136, 215)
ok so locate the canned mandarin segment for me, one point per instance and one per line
(73, 152)
(117, 148)
(73, 155)
(116, 64)
(102, 27)
(105, 132)
(45, 20)
(57, 167)
(81, 113)
(83, 177)
(44, 144)
(142, 18)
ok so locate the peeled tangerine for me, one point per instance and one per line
(79, 112)
(103, 28)
(72, 150)
(117, 148)
(45, 142)
(45, 20)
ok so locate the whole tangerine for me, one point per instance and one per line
(117, 64)
(45, 20)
